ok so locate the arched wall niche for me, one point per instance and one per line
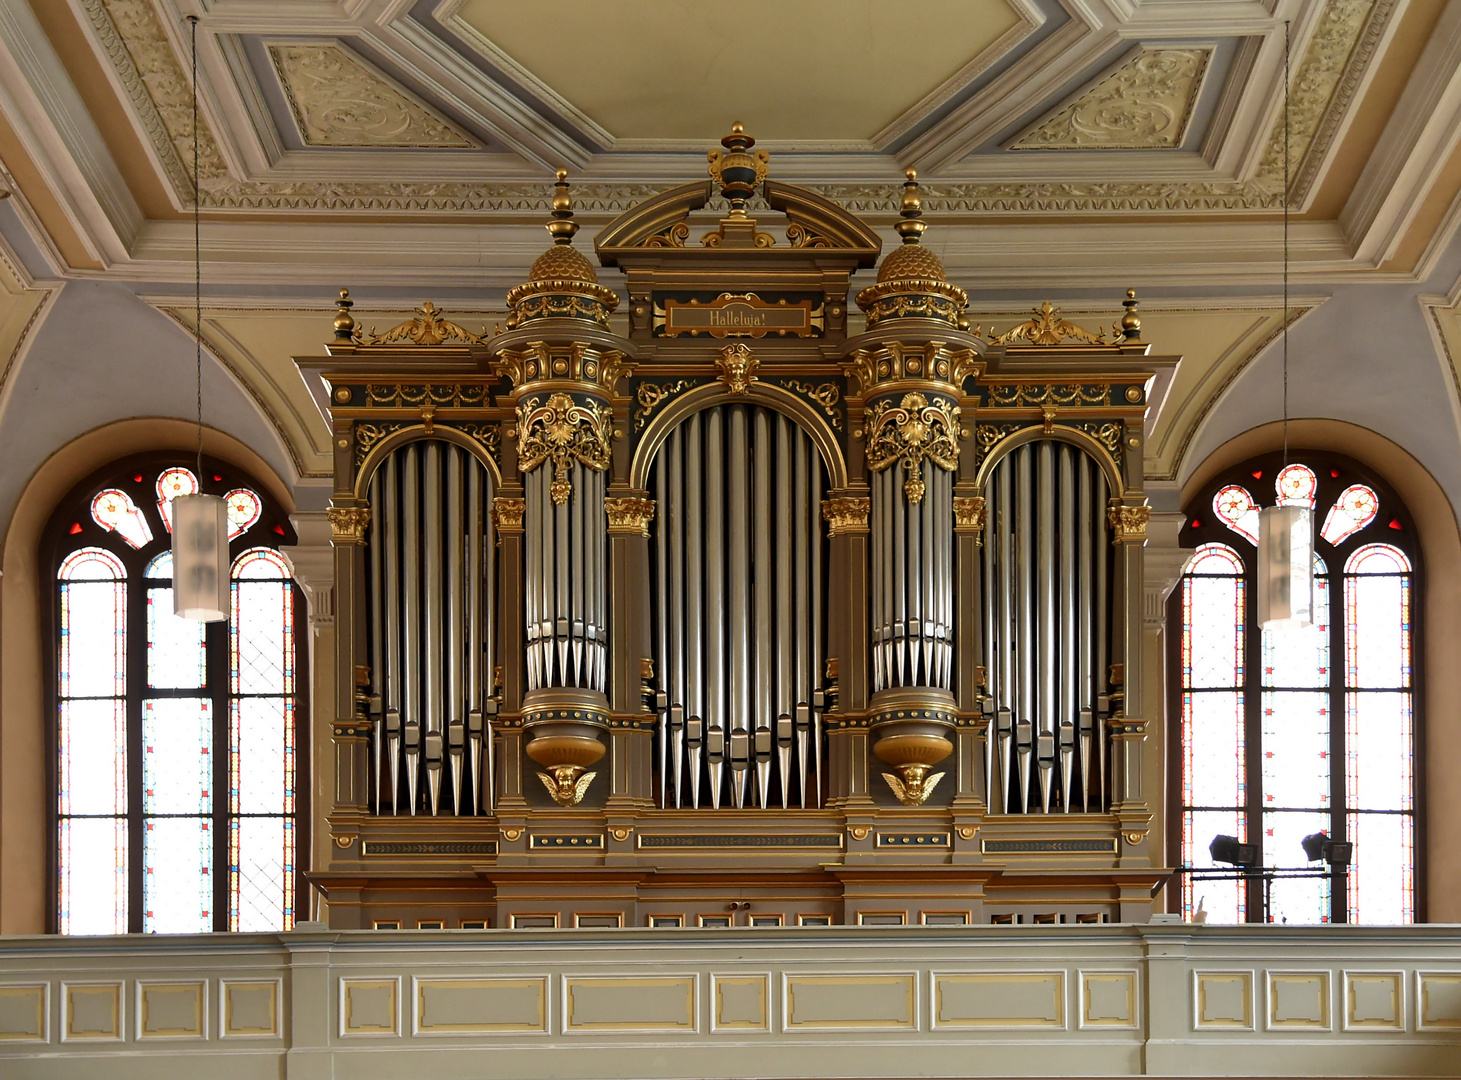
(1440, 676)
(704, 397)
(24, 765)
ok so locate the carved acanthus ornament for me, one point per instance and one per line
(846, 515)
(367, 435)
(427, 328)
(1145, 104)
(629, 516)
(737, 366)
(348, 523)
(824, 394)
(1047, 328)
(651, 396)
(913, 430)
(562, 431)
(970, 514)
(1128, 523)
(508, 513)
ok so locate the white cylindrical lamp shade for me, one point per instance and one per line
(1285, 567)
(200, 557)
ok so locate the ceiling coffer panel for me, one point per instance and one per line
(1144, 104)
(339, 100)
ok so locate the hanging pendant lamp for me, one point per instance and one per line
(1285, 532)
(199, 522)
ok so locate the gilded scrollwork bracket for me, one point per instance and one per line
(562, 430)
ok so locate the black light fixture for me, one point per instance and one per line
(1229, 849)
(1318, 846)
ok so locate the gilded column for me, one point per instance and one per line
(846, 514)
(911, 365)
(629, 512)
(564, 364)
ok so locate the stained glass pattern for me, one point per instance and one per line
(176, 658)
(244, 509)
(171, 484)
(1295, 485)
(1379, 765)
(1213, 791)
(1235, 508)
(115, 511)
(261, 744)
(91, 776)
(1355, 508)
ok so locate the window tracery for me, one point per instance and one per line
(176, 808)
(1289, 733)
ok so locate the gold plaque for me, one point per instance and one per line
(739, 315)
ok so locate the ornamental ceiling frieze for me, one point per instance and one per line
(150, 69)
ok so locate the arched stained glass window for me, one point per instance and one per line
(1289, 733)
(176, 740)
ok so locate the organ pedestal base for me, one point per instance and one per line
(899, 866)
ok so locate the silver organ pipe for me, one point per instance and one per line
(1048, 603)
(913, 600)
(737, 547)
(375, 562)
(429, 625)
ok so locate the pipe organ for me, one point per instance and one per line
(701, 600)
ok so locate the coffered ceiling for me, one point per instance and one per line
(1061, 128)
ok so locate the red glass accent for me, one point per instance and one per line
(279, 529)
(1395, 524)
(1196, 524)
(137, 479)
(1334, 473)
(218, 479)
(1258, 475)
(75, 529)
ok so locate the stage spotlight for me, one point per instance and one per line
(1319, 846)
(1227, 849)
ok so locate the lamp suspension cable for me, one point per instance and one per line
(201, 587)
(1286, 77)
(197, 252)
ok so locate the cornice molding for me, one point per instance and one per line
(1332, 67)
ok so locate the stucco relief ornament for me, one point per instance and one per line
(909, 432)
(562, 431)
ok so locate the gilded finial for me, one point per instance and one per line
(562, 227)
(736, 169)
(911, 227)
(344, 321)
(1130, 325)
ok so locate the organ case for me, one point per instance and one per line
(708, 612)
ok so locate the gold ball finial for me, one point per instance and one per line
(344, 321)
(738, 128)
(562, 227)
(1130, 324)
(911, 228)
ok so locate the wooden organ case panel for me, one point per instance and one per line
(703, 612)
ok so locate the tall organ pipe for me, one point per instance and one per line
(694, 607)
(1045, 623)
(375, 556)
(738, 512)
(813, 510)
(455, 636)
(392, 586)
(761, 558)
(1103, 617)
(673, 514)
(1070, 598)
(411, 556)
(476, 582)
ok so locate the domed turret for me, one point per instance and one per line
(911, 281)
(562, 283)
